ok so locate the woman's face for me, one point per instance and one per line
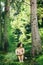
(21, 45)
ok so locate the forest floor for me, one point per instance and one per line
(34, 61)
(10, 58)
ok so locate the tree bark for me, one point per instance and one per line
(0, 28)
(6, 23)
(36, 41)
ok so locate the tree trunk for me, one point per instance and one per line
(6, 23)
(36, 41)
(0, 28)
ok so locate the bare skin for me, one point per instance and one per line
(20, 53)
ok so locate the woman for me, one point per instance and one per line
(20, 52)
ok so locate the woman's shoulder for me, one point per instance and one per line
(23, 48)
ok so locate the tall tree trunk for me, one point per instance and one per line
(0, 28)
(36, 41)
(7, 14)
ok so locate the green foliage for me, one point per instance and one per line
(40, 60)
(40, 12)
(41, 34)
(10, 57)
(40, 3)
(1, 57)
(15, 63)
(19, 30)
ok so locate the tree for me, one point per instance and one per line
(36, 41)
(0, 25)
(6, 23)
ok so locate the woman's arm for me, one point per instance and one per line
(23, 51)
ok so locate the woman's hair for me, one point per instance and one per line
(19, 44)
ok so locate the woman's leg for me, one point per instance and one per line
(19, 57)
(22, 58)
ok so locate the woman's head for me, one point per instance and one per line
(20, 44)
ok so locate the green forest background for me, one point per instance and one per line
(19, 30)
